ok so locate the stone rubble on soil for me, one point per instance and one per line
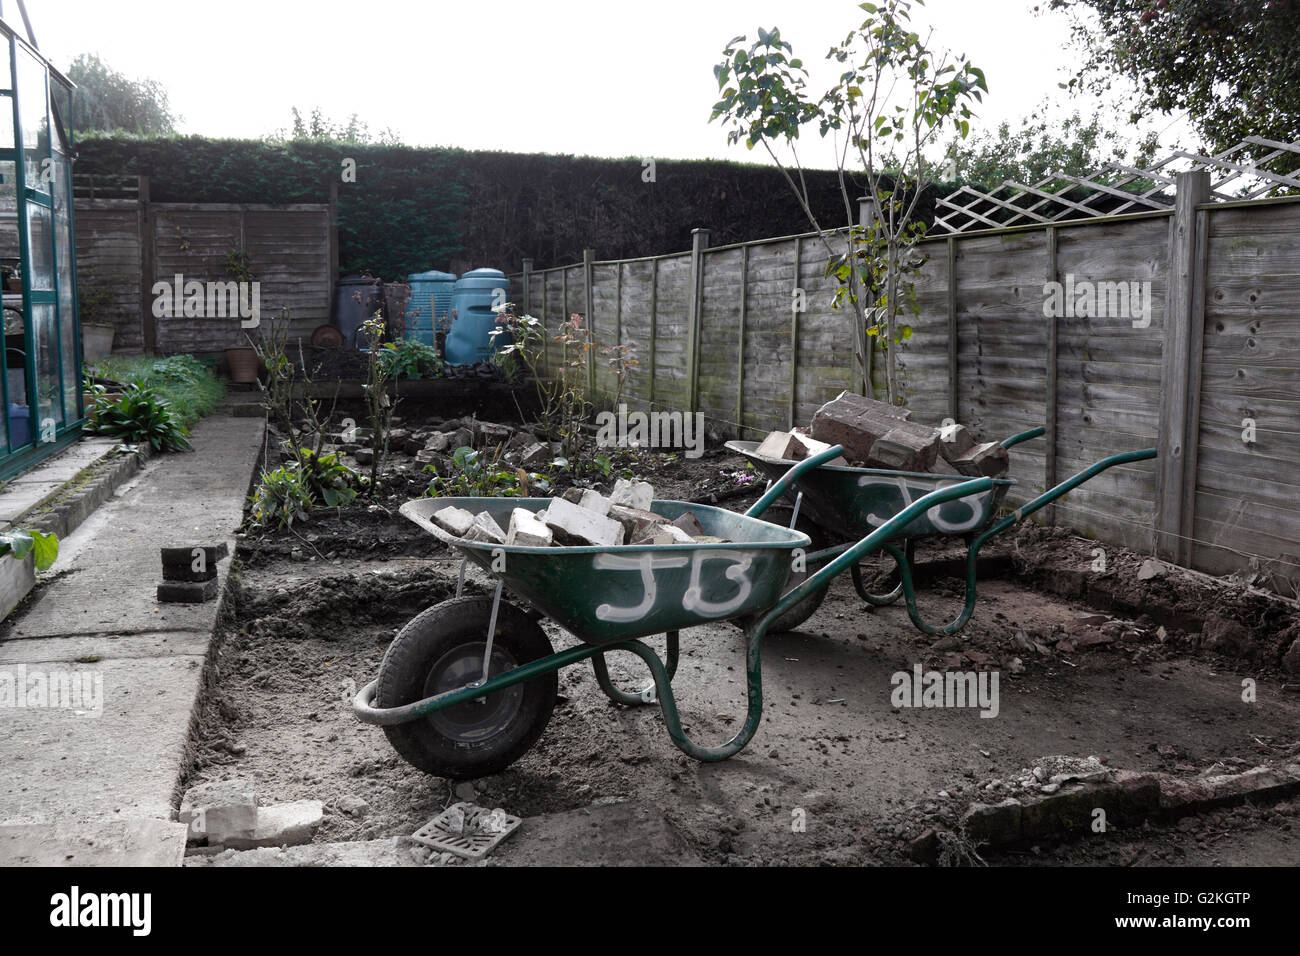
(582, 517)
(878, 435)
(225, 814)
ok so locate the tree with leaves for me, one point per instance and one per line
(108, 100)
(1232, 65)
(1041, 147)
(893, 101)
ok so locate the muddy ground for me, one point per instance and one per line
(1138, 685)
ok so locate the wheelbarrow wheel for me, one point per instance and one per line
(442, 649)
(791, 619)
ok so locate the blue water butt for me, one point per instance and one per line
(430, 304)
(472, 318)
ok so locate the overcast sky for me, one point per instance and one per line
(598, 77)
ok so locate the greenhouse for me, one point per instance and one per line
(42, 381)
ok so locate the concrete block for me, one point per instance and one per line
(804, 447)
(633, 494)
(285, 824)
(534, 454)
(574, 525)
(989, 460)
(637, 524)
(215, 811)
(527, 531)
(453, 520)
(193, 562)
(438, 441)
(779, 445)
(910, 448)
(187, 592)
(594, 501)
(855, 422)
(954, 441)
(671, 534)
(485, 528)
(688, 523)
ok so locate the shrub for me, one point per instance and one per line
(409, 358)
(282, 496)
(140, 416)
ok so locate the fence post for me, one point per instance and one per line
(952, 328)
(794, 334)
(1180, 380)
(740, 342)
(1050, 416)
(588, 280)
(144, 223)
(699, 242)
(654, 317)
(527, 282)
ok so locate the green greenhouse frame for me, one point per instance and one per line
(41, 388)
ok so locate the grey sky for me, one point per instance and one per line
(606, 78)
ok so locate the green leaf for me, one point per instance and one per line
(45, 548)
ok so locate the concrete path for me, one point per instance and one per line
(115, 751)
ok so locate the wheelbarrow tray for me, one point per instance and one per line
(853, 502)
(605, 595)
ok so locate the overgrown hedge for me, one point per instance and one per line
(415, 209)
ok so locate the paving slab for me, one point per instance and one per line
(618, 834)
(115, 751)
(106, 843)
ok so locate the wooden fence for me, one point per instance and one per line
(125, 244)
(1210, 375)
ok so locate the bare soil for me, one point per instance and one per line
(314, 609)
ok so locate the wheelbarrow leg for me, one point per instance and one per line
(668, 704)
(647, 694)
(909, 591)
(882, 600)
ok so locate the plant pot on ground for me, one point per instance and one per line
(96, 340)
(244, 365)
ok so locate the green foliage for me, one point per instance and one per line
(43, 547)
(107, 100)
(414, 209)
(330, 481)
(1040, 147)
(187, 384)
(473, 476)
(140, 415)
(282, 496)
(1232, 65)
(893, 101)
(410, 358)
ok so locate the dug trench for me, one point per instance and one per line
(836, 773)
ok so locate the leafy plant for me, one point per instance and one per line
(472, 475)
(895, 97)
(186, 383)
(282, 497)
(379, 406)
(140, 415)
(43, 547)
(410, 358)
(329, 480)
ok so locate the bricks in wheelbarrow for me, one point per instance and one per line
(574, 525)
(527, 530)
(485, 528)
(453, 520)
(638, 524)
(989, 460)
(876, 434)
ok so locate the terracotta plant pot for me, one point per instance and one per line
(244, 365)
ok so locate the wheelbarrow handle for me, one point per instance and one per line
(853, 555)
(1047, 497)
(1023, 436)
(785, 481)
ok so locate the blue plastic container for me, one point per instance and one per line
(472, 318)
(430, 304)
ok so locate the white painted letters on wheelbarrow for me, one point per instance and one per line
(934, 514)
(692, 600)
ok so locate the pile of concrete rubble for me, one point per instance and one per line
(582, 517)
(878, 435)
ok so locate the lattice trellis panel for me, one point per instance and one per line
(1118, 189)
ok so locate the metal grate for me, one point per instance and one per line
(467, 830)
(1118, 189)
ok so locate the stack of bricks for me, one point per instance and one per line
(190, 574)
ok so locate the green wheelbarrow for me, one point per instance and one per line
(833, 501)
(468, 685)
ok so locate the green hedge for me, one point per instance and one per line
(415, 209)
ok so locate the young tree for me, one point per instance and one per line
(107, 100)
(893, 101)
(1232, 65)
